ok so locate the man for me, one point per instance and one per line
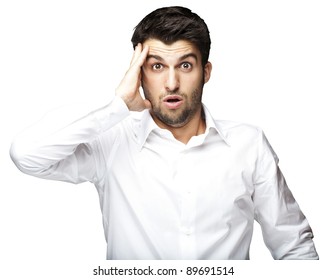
(173, 182)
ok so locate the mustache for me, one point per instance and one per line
(168, 93)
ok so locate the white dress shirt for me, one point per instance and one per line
(162, 199)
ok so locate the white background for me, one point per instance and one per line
(269, 69)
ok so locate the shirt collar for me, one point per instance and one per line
(214, 124)
(147, 125)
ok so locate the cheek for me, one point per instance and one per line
(151, 88)
(191, 81)
(152, 82)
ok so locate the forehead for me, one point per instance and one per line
(174, 50)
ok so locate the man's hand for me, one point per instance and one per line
(129, 87)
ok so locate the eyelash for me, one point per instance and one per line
(157, 64)
(181, 66)
(189, 64)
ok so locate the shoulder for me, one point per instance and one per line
(246, 137)
(236, 132)
(233, 132)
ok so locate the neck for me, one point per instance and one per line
(194, 127)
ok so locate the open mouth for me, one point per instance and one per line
(173, 101)
(172, 98)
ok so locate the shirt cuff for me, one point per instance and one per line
(111, 114)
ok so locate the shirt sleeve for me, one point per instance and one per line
(64, 152)
(285, 229)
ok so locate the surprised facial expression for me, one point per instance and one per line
(172, 80)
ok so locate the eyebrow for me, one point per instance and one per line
(158, 57)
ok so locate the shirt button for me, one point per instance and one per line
(186, 231)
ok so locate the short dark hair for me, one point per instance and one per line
(170, 24)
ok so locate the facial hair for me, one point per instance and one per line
(176, 118)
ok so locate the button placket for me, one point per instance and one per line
(183, 181)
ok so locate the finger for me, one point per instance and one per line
(147, 104)
(143, 55)
(136, 53)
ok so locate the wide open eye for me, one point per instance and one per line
(186, 66)
(157, 66)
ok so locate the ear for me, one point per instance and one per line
(207, 71)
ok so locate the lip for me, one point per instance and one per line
(173, 101)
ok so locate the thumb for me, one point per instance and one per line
(147, 104)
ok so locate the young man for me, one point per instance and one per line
(173, 182)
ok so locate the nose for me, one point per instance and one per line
(172, 81)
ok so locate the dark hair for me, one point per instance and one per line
(170, 24)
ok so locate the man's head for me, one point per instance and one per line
(176, 67)
(171, 24)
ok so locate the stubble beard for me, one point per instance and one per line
(179, 117)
